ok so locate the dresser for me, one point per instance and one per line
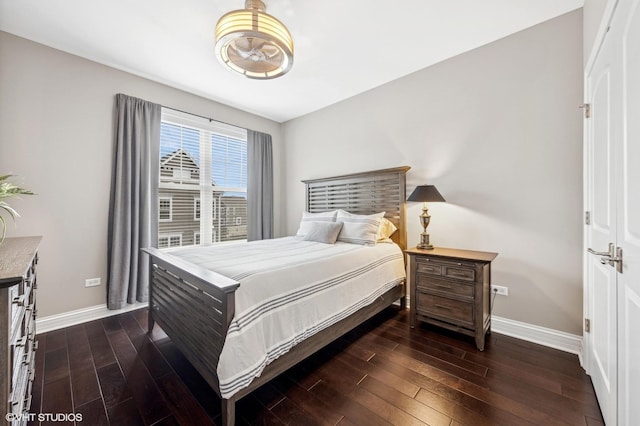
(18, 260)
(451, 288)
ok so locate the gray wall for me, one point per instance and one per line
(56, 120)
(498, 131)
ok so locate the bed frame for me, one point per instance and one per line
(194, 306)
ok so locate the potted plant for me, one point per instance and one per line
(8, 190)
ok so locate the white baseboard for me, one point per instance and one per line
(541, 335)
(66, 319)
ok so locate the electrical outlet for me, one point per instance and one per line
(91, 282)
(498, 289)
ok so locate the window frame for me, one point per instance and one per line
(160, 200)
(220, 151)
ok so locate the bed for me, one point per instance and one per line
(196, 307)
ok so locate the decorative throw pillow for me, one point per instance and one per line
(386, 230)
(323, 232)
(359, 229)
(314, 217)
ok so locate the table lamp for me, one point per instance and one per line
(425, 193)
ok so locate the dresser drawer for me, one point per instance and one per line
(21, 390)
(20, 301)
(446, 287)
(446, 309)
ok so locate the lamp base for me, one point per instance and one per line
(424, 242)
(427, 247)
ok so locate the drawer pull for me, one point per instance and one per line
(18, 300)
(443, 286)
(21, 342)
(443, 307)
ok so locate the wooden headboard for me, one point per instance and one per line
(363, 193)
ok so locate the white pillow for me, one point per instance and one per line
(307, 218)
(359, 229)
(386, 230)
(323, 232)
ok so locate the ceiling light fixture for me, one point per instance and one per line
(254, 43)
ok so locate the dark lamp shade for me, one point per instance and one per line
(424, 193)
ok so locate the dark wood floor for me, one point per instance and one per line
(112, 372)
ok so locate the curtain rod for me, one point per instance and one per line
(206, 118)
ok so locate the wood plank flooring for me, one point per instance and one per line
(114, 373)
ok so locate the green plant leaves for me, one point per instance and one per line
(8, 190)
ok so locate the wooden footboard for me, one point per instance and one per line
(194, 306)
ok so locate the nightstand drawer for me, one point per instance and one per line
(446, 309)
(454, 270)
(447, 287)
(459, 272)
(424, 266)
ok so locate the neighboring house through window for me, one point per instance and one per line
(203, 177)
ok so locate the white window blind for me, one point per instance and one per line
(203, 173)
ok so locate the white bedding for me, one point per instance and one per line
(289, 290)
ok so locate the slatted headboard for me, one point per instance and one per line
(363, 193)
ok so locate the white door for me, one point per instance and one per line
(602, 86)
(612, 291)
(628, 218)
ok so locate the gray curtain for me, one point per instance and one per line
(259, 186)
(133, 210)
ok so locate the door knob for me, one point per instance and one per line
(598, 253)
(613, 257)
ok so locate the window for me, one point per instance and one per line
(169, 240)
(203, 173)
(196, 209)
(164, 209)
(196, 238)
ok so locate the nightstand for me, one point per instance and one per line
(451, 288)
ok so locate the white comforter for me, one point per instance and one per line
(289, 290)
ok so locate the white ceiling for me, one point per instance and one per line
(342, 47)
